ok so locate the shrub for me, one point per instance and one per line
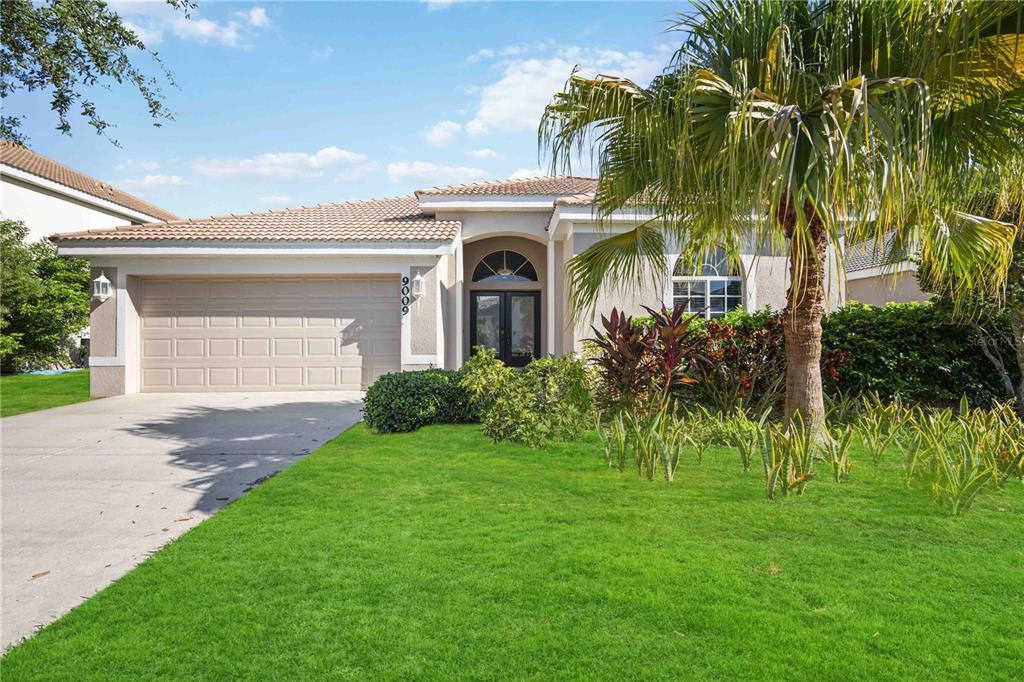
(45, 301)
(405, 401)
(548, 400)
(910, 349)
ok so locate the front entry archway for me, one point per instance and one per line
(505, 299)
(508, 322)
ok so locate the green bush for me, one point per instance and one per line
(405, 401)
(45, 301)
(548, 400)
(910, 349)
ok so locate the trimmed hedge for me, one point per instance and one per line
(913, 349)
(405, 401)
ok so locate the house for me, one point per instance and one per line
(880, 272)
(334, 296)
(48, 196)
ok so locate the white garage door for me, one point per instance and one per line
(268, 334)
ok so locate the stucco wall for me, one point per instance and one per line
(650, 291)
(103, 318)
(770, 280)
(476, 224)
(106, 381)
(45, 212)
(899, 288)
(423, 311)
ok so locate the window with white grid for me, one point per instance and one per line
(713, 289)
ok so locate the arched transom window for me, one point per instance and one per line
(713, 289)
(503, 267)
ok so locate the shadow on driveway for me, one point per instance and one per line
(231, 449)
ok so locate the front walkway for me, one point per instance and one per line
(92, 489)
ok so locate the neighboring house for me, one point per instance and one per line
(881, 273)
(333, 296)
(49, 197)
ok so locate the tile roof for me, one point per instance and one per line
(584, 199)
(542, 186)
(26, 160)
(870, 254)
(394, 219)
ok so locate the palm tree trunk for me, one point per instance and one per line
(1017, 325)
(805, 309)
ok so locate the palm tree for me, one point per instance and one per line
(794, 127)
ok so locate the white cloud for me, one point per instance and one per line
(482, 53)
(507, 51)
(517, 99)
(324, 53)
(156, 180)
(281, 165)
(435, 5)
(484, 153)
(152, 21)
(258, 17)
(431, 172)
(276, 200)
(441, 133)
(523, 173)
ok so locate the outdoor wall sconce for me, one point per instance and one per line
(417, 286)
(101, 287)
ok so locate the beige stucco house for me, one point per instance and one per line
(878, 273)
(333, 296)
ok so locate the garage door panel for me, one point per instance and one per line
(250, 334)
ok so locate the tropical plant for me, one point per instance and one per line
(958, 453)
(880, 424)
(744, 433)
(997, 321)
(671, 342)
(547, 400)
(614, 439)
(640, 365)
(961, 475)
(835, 447)
(484, 376)
(798, 127)
(740, 362)
(625, 370)
(788, 454)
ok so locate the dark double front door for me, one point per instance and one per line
(507, 321)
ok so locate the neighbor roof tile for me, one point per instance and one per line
(26, 160)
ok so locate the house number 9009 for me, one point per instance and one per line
(405, 295)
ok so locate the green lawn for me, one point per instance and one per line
(438, 555)
(21, 393)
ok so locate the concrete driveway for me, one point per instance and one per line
(90, 490)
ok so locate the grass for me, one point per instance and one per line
(439, 555)
(20, 393)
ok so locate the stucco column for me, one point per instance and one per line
(460, 304)
(550, 297)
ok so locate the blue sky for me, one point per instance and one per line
(298, 103)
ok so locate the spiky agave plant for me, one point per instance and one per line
(798, 126)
